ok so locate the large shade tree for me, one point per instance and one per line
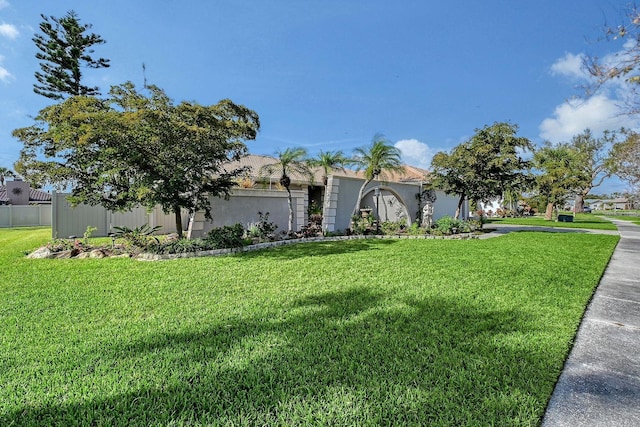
(626, 158)
(555, 179)
(485, 167)
(373, 161)
(290, 161)
(65, 48)
(136, 149)
(595, 162)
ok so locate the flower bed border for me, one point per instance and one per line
(146, 256)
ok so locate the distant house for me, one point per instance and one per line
(19, 193)
(621, 203)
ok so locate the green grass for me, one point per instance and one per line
(588, 221)
(367, 332)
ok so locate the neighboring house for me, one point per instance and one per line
(22, 206)
(19, 192)
(621, 203)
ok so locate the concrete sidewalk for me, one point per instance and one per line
(600, 382)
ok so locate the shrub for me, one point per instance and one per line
(225, 237)
(140, 237)
(446, 224)
(390, 227)
(60, 245)
(263, 229)
(415, 230)
(360, 225)
(177, 246)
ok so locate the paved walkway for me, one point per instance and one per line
(600, 382)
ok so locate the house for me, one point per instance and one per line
(18, 192)
(621, 203)
(391, 198)
(22, 206)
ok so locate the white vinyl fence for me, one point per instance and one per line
(24, 216)
(73, 221)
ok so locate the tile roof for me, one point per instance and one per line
(34, 195)
(257, 162)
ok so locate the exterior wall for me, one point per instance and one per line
(25, 216)
(18, 192)
(243, 207)
(396, 200)
(446, 205)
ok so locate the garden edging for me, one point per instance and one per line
(146, 256)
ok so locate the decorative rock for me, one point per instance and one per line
(83, 255)
(64, 254)
(121, 256)
(41, 253)
(172, 237)
(96, 253)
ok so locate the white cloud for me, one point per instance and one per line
(9, 31)
(5, 75)
(597, 113)
(415, 153)
(570, 65)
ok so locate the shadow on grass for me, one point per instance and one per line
(343, 358)
(322, 248)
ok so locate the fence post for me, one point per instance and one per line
(54, 214)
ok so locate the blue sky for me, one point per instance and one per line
(328, 75)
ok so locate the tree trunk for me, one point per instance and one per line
(290, 203)
(459, 207)
(178, 218)
(356, 209)
(579, 204)
(548, 214)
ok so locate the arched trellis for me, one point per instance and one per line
(388, 205)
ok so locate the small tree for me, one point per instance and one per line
(374, 160)
(450, 173)
(133, 149)
(64, 50)
(290, 161)
(484, 167)
(329, 161)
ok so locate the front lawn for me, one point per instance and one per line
(363, 332)
(589, 221)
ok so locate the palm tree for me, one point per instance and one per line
(328, 161)
(5, 173)
(373, 160)
(291, 160)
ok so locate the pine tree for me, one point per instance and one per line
(64, 49)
